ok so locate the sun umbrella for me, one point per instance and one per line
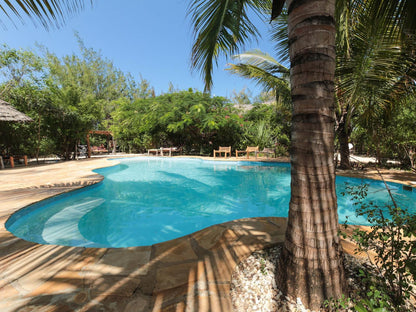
(9, 113)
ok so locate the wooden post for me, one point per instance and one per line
(25, 159)
(12, 161)
(1, 162)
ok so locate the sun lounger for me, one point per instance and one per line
(153, 150)
(248, 150)
(12, 159)
(98, 150)
(223, 149)
(170, 150)
(268, 151)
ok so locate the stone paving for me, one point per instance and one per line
(191, 273)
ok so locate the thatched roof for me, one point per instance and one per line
(9, 113)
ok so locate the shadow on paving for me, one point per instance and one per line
(190, 273)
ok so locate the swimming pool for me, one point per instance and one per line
(148, 200)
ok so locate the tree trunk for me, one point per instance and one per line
(344, 150)
(311, 265)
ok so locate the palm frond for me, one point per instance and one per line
(401, 12)
(49, 13)
(279, 35)
(264, 61)
(262, 68)
(375, 72)
(221, 27)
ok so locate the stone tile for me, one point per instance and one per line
(257, 228)
(82, 297)
(124, 261)
(215, 237)
(139, 304)
(208, 237)
(114, 285)
(218, 266)
(175, 275)
(174, 251)
(8, 291)
(86, 257)
(173, 295)
(63, 282)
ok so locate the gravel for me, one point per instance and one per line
(254, 289)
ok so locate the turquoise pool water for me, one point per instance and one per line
(148, 200)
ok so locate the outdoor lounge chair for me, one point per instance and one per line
(11, 160)
(223, 149)
(170, 150)
(99, 149)
(268, 151)
(153, 150)
(248, 150)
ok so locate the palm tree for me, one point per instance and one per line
(369, 59)
(49, 13)
(373, 69)
(311, 266)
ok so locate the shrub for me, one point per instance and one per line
(392, 240)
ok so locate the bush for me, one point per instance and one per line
(392, 240)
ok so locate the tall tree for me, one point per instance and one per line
(311, 265)
(374, 62)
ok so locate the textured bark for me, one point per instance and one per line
(311, 266)
(344, 149)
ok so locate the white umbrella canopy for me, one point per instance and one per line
(9, 113)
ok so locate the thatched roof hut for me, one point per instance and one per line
(9, 113)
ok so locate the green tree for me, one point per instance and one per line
(190, 119)
(85, 90)
(373, 70)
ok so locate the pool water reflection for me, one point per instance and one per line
(147, 200)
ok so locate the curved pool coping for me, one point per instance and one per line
(192, 272)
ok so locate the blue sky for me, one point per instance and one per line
(149, 39)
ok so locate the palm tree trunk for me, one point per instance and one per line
(344, 150)
(311, 266)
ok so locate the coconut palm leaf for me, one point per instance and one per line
(47, 12)
(401, 12)
(375, 61)
(221, 27)
(263, 69)
(279, 36)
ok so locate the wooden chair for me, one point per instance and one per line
(223, 149)
(248, 150)
(12, 159)
(171, 150)
(153, 150)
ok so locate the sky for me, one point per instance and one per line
(149, 39)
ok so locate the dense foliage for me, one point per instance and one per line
(69, 96)
(390, 246)
(189, 119)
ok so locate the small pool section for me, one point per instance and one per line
(148, 200)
